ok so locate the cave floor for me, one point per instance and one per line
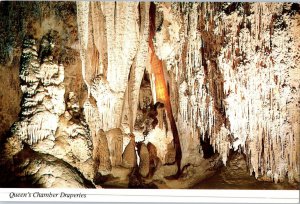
(221, 181)
(233, 176)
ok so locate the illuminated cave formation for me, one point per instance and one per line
(149, 95)
(161, 90)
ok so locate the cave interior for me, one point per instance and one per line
(201, 95)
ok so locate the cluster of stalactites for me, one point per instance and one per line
(259, 68)
(119, 39)
(263, 92)
(196, 110)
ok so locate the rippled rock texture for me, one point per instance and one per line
(148, 95)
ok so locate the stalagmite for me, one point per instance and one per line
(40, 110)
(144, 160)
(154, 161)
(102, 151)
(115, 144)
(129, 158)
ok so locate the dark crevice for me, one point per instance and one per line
(207, 148)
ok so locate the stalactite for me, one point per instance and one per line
(83, 26)
(139, 64)
(99, 37)
(196, 102)
(121, 23)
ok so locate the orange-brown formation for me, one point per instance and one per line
(161, 87)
